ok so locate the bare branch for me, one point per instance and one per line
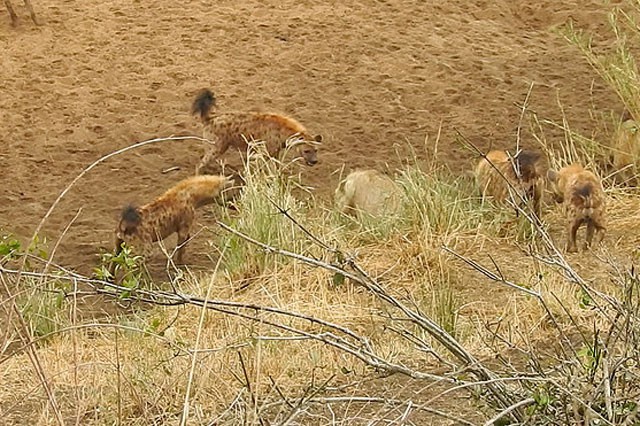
(508, 410)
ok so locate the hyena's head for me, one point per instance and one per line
(532, 169)
(306, 149)
(129, 220)
(530, 165)
(581, 195)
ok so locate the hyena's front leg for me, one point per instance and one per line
(591, 227)
(601, 228)
(212, 154)
(205, 160)
(31, 11)
(537, 198)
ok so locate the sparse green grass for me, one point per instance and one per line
(43, 309)
(39, 301)
(268, 188)
(614, 61)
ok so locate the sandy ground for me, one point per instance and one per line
(371, 76)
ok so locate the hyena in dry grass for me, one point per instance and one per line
(14, 17)
(626, 149)
(368, 191)
(499, 172)
(172, 212)
(584, 199)
(234, 129)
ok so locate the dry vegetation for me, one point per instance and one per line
(452, 312)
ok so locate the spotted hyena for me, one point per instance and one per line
(172, 212)
(582, 194)
(499, 174)
(234, 129)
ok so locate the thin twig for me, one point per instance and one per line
(508, 410)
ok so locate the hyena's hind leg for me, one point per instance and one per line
(12, 13)
(184, 235)
(14, 17)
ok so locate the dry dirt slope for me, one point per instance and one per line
(368, 74)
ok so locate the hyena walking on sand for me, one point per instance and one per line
(234, 129)
(172, 212)
(499, 175)
(583, 196)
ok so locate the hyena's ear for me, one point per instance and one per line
(552, 175)
(317, 138)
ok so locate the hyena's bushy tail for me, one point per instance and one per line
(586, 193)
(202, 104)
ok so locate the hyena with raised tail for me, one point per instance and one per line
(234, 129)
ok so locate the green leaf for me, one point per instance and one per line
(130, 282)
(154, 325)
(9, 246)
(59, 299)
(585, 301)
